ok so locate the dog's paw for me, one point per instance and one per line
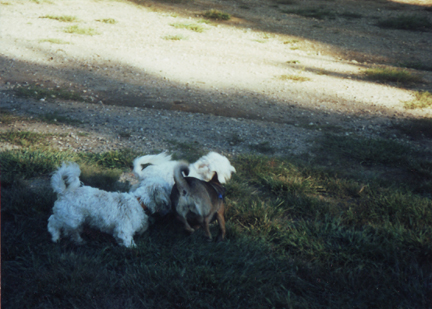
(190, 230)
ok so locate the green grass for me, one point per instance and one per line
(293, 77)
(306, 235)
(293, 41)
(386, 75)
(406, 22)
(6, 117)
(78, 30)
(192, 27)
(37, 161)
(62, 18)
(107, 20)
(177, 37)
(399, 162)
(216, 15)
(24, 138)
(423, 99)
(37, 92)
(53, 41)
(417, 129)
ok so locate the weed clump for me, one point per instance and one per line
(423, 99)
(177, 37)
(107, 20)
(63, 18)
(77, 30)
(53, 41)
(293, 77)
(192, 27)
(217, 15)
(385, 75)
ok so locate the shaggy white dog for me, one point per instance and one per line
(156, 173)
(120, 214)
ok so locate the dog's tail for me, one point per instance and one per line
(179, 180)
(66, 178)
(140, 163)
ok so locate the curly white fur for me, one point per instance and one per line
(156, 173)
(120, 214)
(207, 166)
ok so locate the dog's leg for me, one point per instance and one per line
(124, 239)
(206, 225)
(54, 227)
(75, 236)
(221, 220)
(185, 223)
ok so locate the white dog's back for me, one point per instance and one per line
(206, 166)
(66, 178)
(140, 162)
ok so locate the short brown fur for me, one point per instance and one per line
(198, 202)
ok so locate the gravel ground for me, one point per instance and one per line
(98, 128)
(220, 89)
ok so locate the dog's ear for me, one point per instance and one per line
(143, 166)
(215, 179)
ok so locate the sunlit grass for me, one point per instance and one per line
(192, 27)
(396, 75)
(53, 41)
(423, 99)
(62, 18)
(293, 77)
(177, 37)
(107, 20)
(216, 15)
(78, 30)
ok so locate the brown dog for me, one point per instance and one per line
(198, 202)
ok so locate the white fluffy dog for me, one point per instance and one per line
(156, 173)
(120, 214)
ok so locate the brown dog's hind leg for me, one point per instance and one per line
(186, 224)
(206, 225)
(221, 220)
